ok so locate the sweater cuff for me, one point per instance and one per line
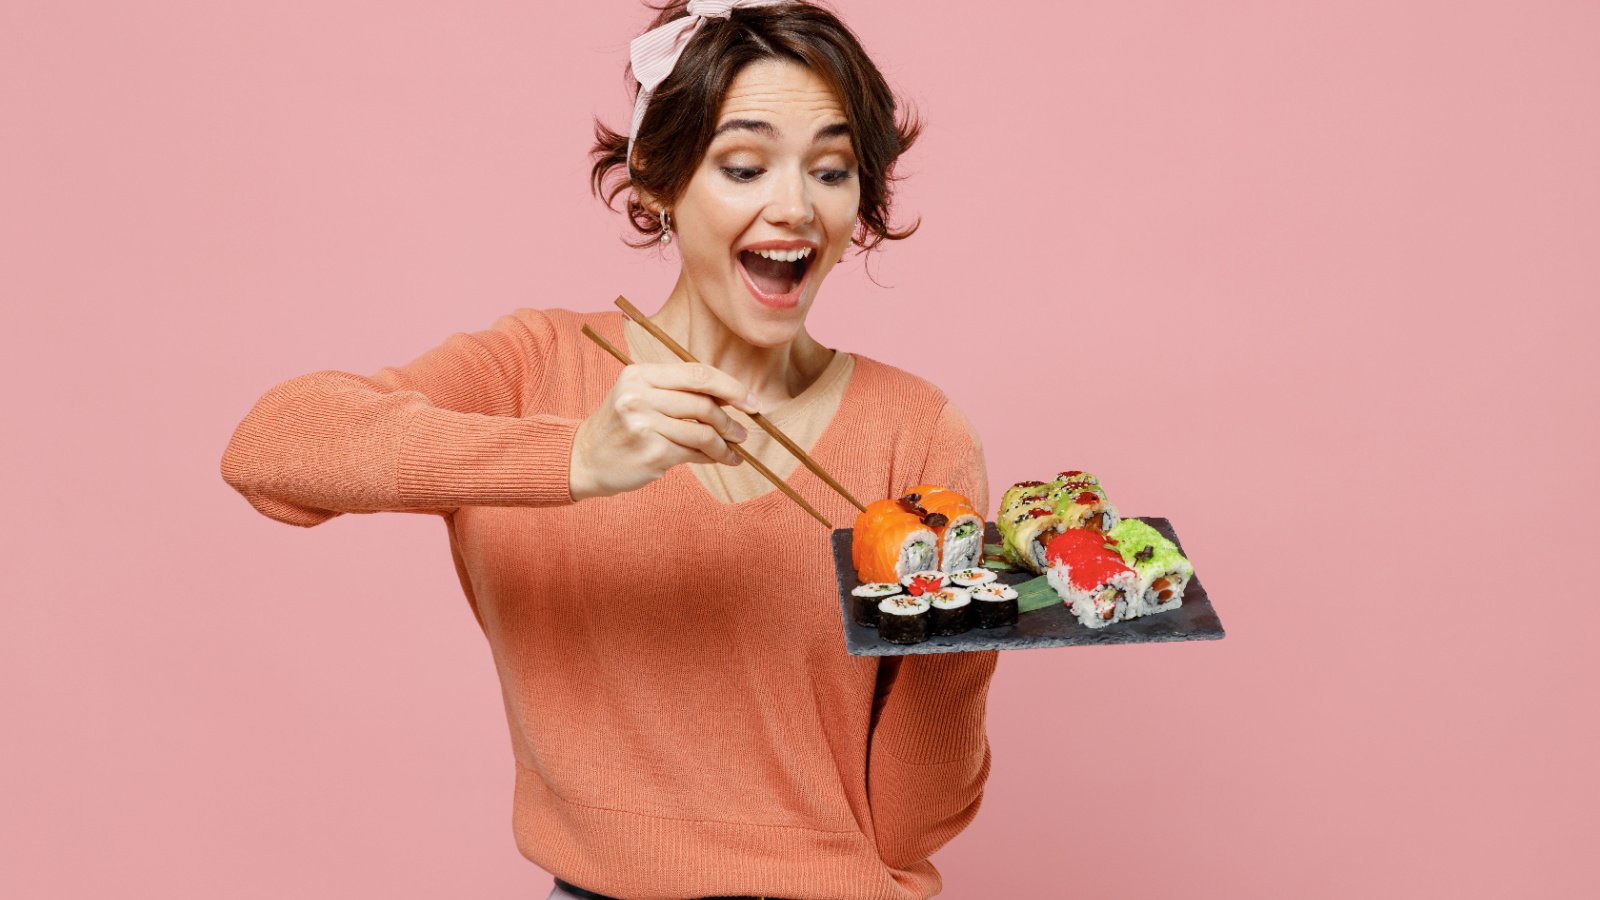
(936, 707)
(453, 459)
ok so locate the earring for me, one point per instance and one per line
(666, 228)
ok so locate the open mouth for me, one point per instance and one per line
(775, 282)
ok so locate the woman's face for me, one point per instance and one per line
(779, 174)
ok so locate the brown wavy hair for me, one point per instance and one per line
(682, 113)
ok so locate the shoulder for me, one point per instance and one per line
(558, 316)
(554, 335)
(921, 399)
(553, 323)
(893, 388)
(938, 440)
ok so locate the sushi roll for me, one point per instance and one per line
(960, 536)
(995, 604)
(1074, 476)
(1068, 482)
(969, 578)
(1081, 503)
(904, 619)
(1018, 494)
(889, 542)
(864, 601)
(1017, 490)
(1026, 522)
(1032, 528)
(925, 581)
(871, 518)
(1032, 513)
(1091, 579)
(1163, 572)
(951, 610)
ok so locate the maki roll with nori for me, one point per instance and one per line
(924, 581)
(950, 612)
(904, 618)
(864, 601)
(1089, 577)
(1162, 570)
(994, 604)
(970, 578)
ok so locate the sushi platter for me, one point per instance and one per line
(924, 573)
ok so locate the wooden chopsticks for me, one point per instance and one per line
(758, 418)
(748, 457)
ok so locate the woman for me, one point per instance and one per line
(684, 718)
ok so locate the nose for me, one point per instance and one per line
(790, 203)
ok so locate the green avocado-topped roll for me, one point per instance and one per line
(1162, 569)
(1033, 512)
(1082, 503)
(1073, 475)
(1013, 496)
(1011, 501)
(1025, 517)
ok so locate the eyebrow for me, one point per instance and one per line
(766, 130)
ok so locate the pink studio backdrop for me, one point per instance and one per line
(1316, 281)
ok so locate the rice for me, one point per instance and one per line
(963, 543)
(1098, 605)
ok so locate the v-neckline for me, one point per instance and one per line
(820, 449)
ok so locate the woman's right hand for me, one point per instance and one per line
(656, 416)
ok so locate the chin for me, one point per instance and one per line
(770, 334)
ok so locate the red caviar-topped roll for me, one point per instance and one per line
(1086, 552)
(1091, 579)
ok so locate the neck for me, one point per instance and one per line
(774, 374)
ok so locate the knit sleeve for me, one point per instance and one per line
(443, 431)
(929, 756)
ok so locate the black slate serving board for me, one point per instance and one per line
(1052, 626)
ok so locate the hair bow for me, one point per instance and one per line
(656, 52)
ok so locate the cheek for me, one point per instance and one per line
(843, 206)
(719, 221)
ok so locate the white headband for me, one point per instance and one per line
(656, 52)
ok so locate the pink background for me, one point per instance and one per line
(1344, 255)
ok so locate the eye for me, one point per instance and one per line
(839, 176)
(740, 174)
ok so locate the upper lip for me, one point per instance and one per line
(780, 245)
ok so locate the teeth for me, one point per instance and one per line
(784, 255)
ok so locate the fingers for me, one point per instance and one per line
(700, 378)
(697, 436)
(686, 405)
(662, 414)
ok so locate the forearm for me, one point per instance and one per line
(329, 443)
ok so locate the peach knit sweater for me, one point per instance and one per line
(684, 717)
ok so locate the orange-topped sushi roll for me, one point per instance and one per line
(928, 527)
(888, 543)
(893, 538)
(960, 538)
(875, 514)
